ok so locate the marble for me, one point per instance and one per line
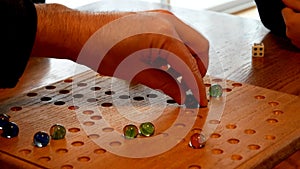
(10, 130)
(215, 90)
(130, 131)
(57, 132)
(41, 139)
(147, 129)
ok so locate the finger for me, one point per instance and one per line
(201, 66)
(295, 5)
(197, 44)
(186, 65)
(158, 79)
(290, 19)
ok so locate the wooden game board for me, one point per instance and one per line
(246, 127)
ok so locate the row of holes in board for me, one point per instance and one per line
(96, 88)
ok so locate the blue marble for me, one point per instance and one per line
(41, 139)
(10, 130)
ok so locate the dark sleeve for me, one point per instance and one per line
(270, 15)
(18, 28)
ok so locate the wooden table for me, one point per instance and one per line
(259, 126)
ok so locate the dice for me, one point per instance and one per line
(258, 50)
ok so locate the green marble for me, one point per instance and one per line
(147, 129)
(130, 131)
(57, 132)
(215, 90)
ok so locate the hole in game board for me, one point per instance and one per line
(31, 94)
(270, 137)
(196, 130)
(138, 98)
(78, 96)
(277, 112)
(207, 85)
(88, 112)
(99, 151)
(124, 97)
(106, 104)
(25, 151)
(67, 166)
(217, 80)
(231, 126)
(64, 91)
(96, 88)
(272, 120)
(89, 123)
(115, 143)
(109, 92)
(259, 97)
(46, 99)
(16, 108)
(179, 125)
(50, 87)
(171, 101)
(81, 84)
(194, 167)
(253, 147)
(93, 136)
(91, 100)
(61, 151)
(151, 95)
(108, 129)
(68, 80)
(44, 159)
(227, 90)
(96, 117)
(237, 84)
(236, 157)
(74, 130)
(217, 151)
(59, 103)
(215, 135)
(77, 143)
(84, 159)
(273, 103)
(233, 141)
(73, 107)
(250, 131)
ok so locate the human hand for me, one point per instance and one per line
(153, 48)
(291, 17)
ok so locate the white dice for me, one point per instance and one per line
(258, 50)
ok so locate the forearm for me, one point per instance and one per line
(62, 32)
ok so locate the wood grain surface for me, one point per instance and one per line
(253, 133)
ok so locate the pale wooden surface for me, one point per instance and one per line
(249, 134)
(232, 47)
